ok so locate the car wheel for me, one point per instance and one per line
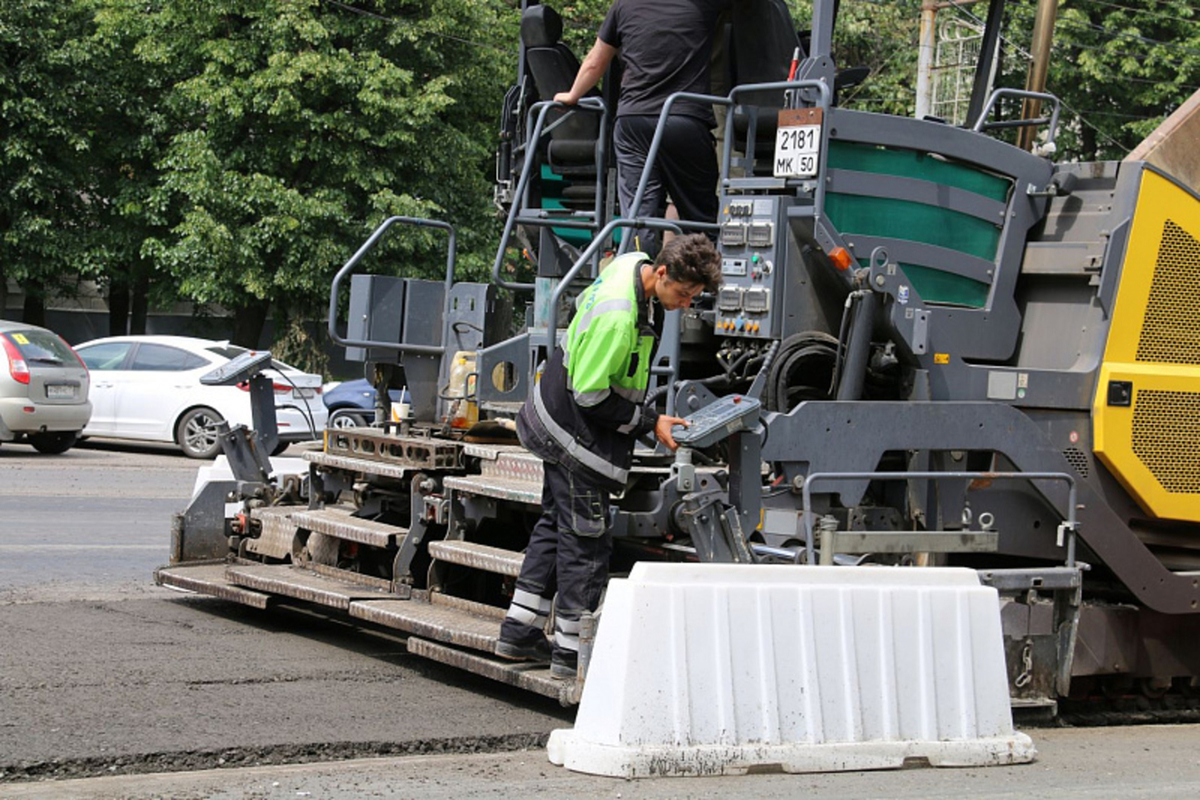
(196, 433)
(53, 442)
(279, 448)
(343, 418)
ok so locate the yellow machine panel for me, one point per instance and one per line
(1147, 405)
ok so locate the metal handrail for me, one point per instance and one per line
(584, 257)
(825, 99)
(982, 124)
(424, 349)
(806, 495)
(590, 104)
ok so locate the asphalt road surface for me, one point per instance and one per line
(171, 695)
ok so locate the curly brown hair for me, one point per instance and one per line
(692, 259)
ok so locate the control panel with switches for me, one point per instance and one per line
(748, 247)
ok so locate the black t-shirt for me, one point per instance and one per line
(665, 48)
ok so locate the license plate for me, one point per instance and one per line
(60, 391)
(798, 143)
(304, 394)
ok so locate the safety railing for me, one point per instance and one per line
(367, 246)
(1069, 528)
(729, 101)
(982, 123)
(593, 105)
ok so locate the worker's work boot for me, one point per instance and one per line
(535, 650)
(564, 665)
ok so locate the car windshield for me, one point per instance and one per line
(232, 351)
(41, 347)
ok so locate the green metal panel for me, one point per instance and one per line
(911, 221)
(552, 187)
(914, 222)
(915, 164)
(936, 286)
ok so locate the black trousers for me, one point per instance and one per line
(686, 168)
(568, 552)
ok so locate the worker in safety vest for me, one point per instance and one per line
(582, 419)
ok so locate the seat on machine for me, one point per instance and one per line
(552, 65)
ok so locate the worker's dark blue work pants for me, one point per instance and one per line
(568, 550)
(685, 168)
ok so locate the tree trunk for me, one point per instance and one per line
(34, 312)
(118, 307)
(140, 307)
(248, 322)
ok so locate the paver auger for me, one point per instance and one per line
(931, 348)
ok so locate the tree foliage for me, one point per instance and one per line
(236, 152)
(1119, 67)
(46, 97)
(299, 126)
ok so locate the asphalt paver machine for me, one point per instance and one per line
(931, 348)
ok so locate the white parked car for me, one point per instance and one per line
(148, 388)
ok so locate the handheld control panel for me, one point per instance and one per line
(242, 368)
(714, 422)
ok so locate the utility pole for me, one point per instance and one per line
(1043, 37)
(925, 52)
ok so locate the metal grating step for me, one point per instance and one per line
(359, 465)
(478, 556)
(506, 461)
(209, 579)
(276, 532)
(336, 521)
(530, 677)
(514, 489)
(303, 584)
(443, 623)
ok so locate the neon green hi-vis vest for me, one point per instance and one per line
(587, 409)
(604, 351)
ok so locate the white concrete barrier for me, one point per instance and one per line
(717, 669)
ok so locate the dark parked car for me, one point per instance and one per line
(352, 403)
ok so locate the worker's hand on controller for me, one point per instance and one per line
(662, 429)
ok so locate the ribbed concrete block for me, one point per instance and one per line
(714, 669)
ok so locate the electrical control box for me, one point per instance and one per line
(749, 250)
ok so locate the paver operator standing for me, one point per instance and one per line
(665, 46)
(582, 419)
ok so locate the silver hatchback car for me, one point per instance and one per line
(43, 391)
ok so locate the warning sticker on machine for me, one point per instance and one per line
(798, 143)
(941, 358)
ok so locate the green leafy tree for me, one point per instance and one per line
(1119, 67)
(45, 106)
(299, 125)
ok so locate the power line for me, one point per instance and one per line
(1143, 11)
(1100, 132)
(1114, 34)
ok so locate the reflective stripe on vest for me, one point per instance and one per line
(572, 446)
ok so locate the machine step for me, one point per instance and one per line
(338, 522)
(360, 465)
(530, 677)
(504, 488)
(304, 584)
(478, 556)
(438, 622)
(209, 579)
